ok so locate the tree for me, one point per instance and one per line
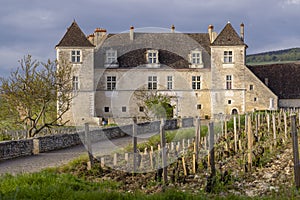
(156, 105)
(33, 90)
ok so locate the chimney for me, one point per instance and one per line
(172, 28)
(131, 33)
(242, 31)
(210, 33)
(91, 38)
(99, 33)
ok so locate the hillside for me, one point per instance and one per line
(286, 55)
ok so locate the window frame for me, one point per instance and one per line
(124, 109)
(111, 59)
(169, 82)
(152, 82)
(76, 56)
(106, 109)
(196, 82)
(152, 57)
(111, 84)
(228, 57)
(228, 82)
(75, 83)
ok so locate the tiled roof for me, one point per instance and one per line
(283, 79)
(228, 37)
(174, 48)
(74, 37)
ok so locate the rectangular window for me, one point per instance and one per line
(152, 82)
(228, 82)
(228, 57)
(229, 101)
(152, 56)
(169, 82)
(75, 56)
(123, 108)
(251, 87)
(141, 109)
(196, 58)
(106, 109)
(75, 83)
(255, 99)
(111, 57)
(199, 106)
(111, 82)
(196, 82)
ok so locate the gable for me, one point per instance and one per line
(74, 37)
(228, 37)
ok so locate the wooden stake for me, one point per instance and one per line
(88, 143)
(197, 137)
(250, 142)
(184, 167)
(115, 159)
(274, 129)
(212, 149)
(268, 122)
(235, 133)
(285, 125)
(134, 141)
(225, 128)
(164, 151)
(295, 152)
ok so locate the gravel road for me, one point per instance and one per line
(56, 158)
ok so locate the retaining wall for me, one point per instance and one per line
(25, 147)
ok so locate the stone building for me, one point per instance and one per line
(204, 74)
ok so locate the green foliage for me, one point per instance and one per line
(30, 94)
(5, 137)
(275, 56)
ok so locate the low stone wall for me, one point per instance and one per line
(187, 122)
(17, 148)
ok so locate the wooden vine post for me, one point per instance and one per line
(212, 149)
(295, 152)
(134, 142)
(164, 151)
(250, 143)
(274, 129)
(196, 145)
(235, 133)
(88, 145)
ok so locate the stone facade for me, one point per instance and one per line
(114, 66)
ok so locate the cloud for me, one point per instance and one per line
(292, 2)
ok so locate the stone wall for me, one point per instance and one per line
(15, 148)
(18, 148)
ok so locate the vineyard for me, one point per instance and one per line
(243, 154)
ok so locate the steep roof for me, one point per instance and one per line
(283, 79)
(74, 37)
(228, 37)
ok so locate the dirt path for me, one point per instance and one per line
(56, 158)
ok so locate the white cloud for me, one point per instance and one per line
(292, 2)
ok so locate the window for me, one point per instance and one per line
(152, 56)
(255, 99)
(111, 82)
(169, 82)
(111, 57)
(123, 108)
(75, 56)
(228, 57)
(152, 82)
(141, 109)
(196, 57)
(228, 82)
(199, 106)
(75, 83)
(251, 87)
(229, 101)
(106, 109)
(196, 82)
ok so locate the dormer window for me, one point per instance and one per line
(111, 58)
(196, 59)
(152, 56)
(75, 56)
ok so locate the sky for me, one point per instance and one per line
(34, 27)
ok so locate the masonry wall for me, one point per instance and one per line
(26, 147)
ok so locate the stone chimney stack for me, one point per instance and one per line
(242, 28)
(210, 33)
(99, 34)
(131, 33)
(172, 28)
